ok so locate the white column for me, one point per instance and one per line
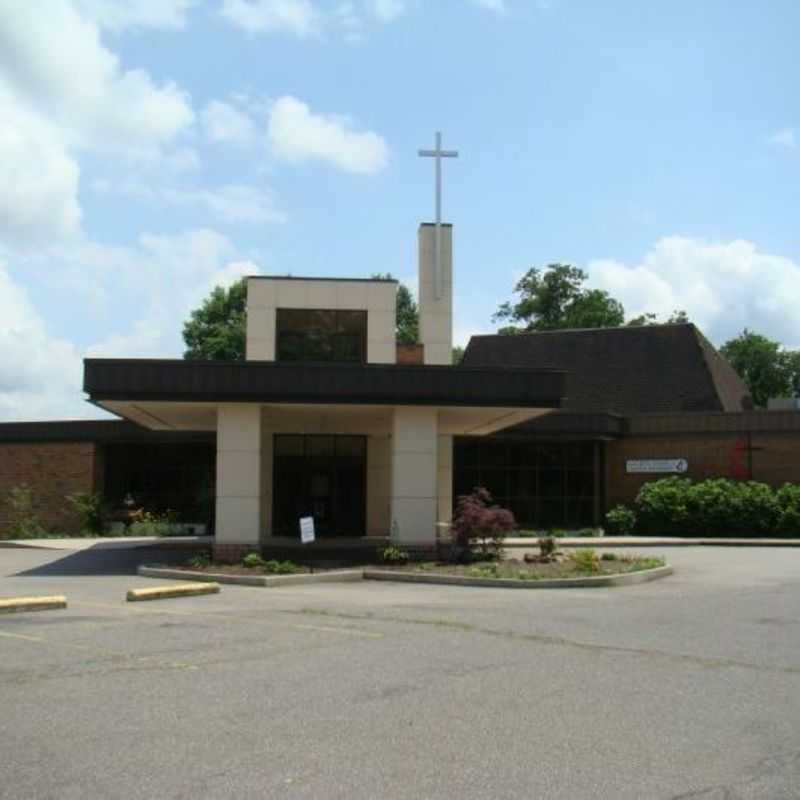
(444, 478)
(436, 315)
(379, 485)
(414, 475)
(238, 475)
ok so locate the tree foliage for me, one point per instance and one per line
(407, 312)
(766, 368)
(555, 298)
(217, 329)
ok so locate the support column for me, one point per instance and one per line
(444, 478)
(238, 528)
(414, 476)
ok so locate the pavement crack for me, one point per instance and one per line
(707, 662)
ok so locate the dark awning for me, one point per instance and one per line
(271, 382)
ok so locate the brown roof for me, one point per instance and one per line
(628, 370)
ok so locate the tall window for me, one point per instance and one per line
(321, 335)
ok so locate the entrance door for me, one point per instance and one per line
(323, 477)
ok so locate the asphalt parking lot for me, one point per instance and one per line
(688, 687)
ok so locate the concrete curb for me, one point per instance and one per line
(336, 576)
(13, 605)
(165, 592)
(627, 579)
(643, 541)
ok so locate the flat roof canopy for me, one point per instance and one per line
(184, 395)
(296, 382)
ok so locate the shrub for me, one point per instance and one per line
(281, 567)
(200, 560)
(788, 500)
(547, 547)
(714, 507)
(92, 509)
(23, 521)
(609, 557)
(391, 554)
(151, 523)
(480, 526)
(620, 521)
(252, 561)
(586, 560)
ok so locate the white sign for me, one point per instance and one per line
(307, 534)
(678, 465)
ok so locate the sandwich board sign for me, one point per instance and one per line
(663, 465)
(307, 534)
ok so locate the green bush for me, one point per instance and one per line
(391, 554)
(92, 509)
(620, 521)
(586, 560)
(714, 507)
(281, 567)
(23, 520)
(252, 561)
(788, 500)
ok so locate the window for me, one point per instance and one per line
(321, 335)
(545, 484)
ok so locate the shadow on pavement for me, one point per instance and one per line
(108, 562)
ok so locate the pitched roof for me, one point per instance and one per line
(628, 370)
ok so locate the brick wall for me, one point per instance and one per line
(772, 458)
(52, 470)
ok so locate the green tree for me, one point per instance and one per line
(766, 368)
(407, 313)
(676, 317)
(216, 330)
(458, 355)
(555, 298)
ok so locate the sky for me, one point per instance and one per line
(152, 149)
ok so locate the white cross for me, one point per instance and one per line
(438, 154)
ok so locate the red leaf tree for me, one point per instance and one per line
(480, 526)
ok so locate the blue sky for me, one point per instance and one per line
(153, 148)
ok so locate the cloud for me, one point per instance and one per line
(492, 5)
(297, 135)
(56, 66)
(117, 15)
(783, 138)
(223, 123)
(724, 287)
(231, 203)
(39, 190)
(387, 10)
(39, 374)
(270, 16)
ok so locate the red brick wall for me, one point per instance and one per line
(52, 470)
(774, 459)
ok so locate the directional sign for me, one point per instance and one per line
(672, 465)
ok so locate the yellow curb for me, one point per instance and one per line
(14, 604)
(163, 592)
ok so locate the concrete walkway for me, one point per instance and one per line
(652, 541)
(110, 542)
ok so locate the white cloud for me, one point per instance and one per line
(783, 138)
(269, 16)
(120, 14)
(224, 123)
(723, 287)
(39, 186)
(492, 5)
(167, 276)
(230, 203)
(387, 10)
(297, 134)
(39, 374)
(56, 65)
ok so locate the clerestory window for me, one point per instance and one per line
(321, 335)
